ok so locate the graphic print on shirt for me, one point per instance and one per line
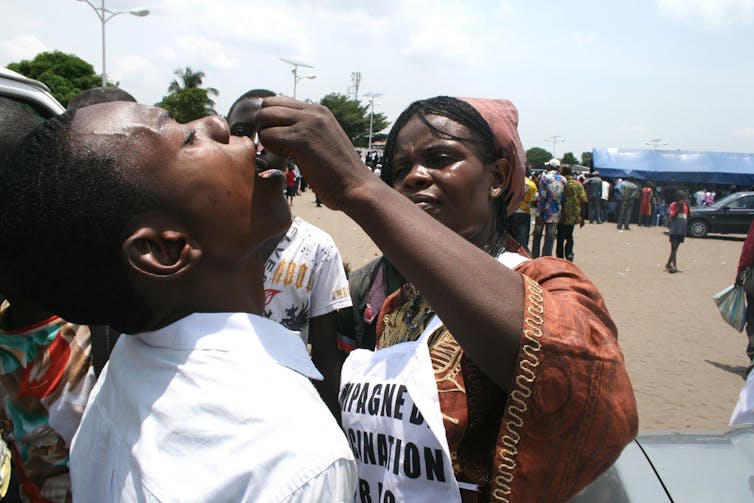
(281, 274)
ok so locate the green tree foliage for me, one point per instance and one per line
(65, 74)
(187, 99)
(536, 157)
(570, 159)
(189, 79)
(353, 117)
(187, 104)
(586, 159)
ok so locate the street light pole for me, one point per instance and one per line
(371, 97)
(296, 78)
(655, 143)
(555, 139)
(106, 15)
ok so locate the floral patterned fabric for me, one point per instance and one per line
(574, 196)
(46, 378)
(551, 186)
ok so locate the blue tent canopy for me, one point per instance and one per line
(675, 166)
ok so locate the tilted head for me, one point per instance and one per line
(461, 160)
(118, 215)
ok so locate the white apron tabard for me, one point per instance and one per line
(391, 415)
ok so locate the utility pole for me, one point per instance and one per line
(355, 81)
(296, 78)
(555, 139)
(104, 14)
(656, 143)
(371, 97)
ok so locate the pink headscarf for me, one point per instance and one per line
(502, 118)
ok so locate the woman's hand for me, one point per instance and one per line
(319, 146)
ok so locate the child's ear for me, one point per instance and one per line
(161, 254)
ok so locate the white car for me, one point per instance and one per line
(29, 92)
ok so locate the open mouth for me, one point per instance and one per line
(267, 173)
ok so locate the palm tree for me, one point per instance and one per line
(187, 79)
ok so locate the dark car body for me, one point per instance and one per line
(731, 215)
(678, 467)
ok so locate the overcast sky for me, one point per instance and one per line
(597, 73)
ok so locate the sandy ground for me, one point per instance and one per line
(685, 362)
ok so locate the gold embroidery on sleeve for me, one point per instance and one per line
(522, 389)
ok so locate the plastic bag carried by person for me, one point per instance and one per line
(731, 302)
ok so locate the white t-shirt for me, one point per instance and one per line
(605, 190)
(214, 407)
(304, 278)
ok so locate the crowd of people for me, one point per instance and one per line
(180, 237)
(556, 200)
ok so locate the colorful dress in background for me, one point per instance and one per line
(645, 208)
(574, 200)
(46, 377)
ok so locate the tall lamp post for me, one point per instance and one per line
(371, 97)
(656, 143)
(296, 78)
(106, 15)
(555, 139)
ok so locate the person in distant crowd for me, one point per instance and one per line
(617, 191)
(743, 412)
(709, 198)
(519, 223)
(296, 172)
(629, 192)
(99, 95)
(645, 207)
(605, 200)
(661, 207)
(204, 399)
(290, 182)
(678, 224)
(549, 204)
(699, 196)
(593, 186)
(745, 263)
(304, 279)
(574, 209)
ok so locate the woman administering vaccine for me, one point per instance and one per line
(497, 377)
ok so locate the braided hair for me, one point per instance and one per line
(481, 140)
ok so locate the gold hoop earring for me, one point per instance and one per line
(495, 192)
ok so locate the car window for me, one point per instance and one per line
(742, 203)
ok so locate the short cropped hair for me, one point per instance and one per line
(67, 209)
(254, 93)
(99, 95)
(15, 123)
